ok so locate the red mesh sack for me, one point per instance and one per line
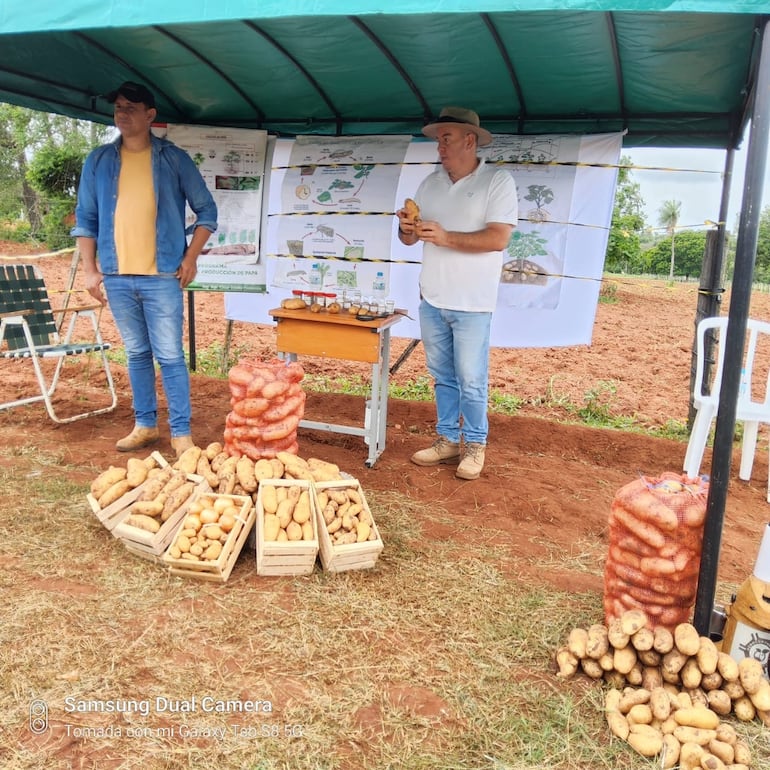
(267, 404)
(655, 543)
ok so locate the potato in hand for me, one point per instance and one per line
(412, 210)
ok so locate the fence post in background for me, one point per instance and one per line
(709, 300)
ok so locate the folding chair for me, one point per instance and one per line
(28, 330)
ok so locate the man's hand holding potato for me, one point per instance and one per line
(409, 222)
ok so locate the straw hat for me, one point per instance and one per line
(462, 116)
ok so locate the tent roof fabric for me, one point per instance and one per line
(677, 73)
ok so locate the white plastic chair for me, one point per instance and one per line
(749, 411)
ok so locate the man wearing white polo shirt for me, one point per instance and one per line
(467, 212)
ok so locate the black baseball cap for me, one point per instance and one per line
(134, 92)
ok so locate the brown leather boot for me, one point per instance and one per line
(472, 463)
(138, 439)
(180, 444)
(441, 451)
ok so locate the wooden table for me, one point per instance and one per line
(342, 336)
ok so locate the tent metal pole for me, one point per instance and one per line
(745, 255)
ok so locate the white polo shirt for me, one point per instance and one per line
(456, 280)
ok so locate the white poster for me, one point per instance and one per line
(232, 162)
(331, 205)
(341, 216)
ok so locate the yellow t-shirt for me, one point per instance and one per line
(135, 214)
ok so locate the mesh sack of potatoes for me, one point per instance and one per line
(267, 405)
(655, 543)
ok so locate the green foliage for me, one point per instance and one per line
(57, 222)
(526, 245)
(689, 248)
(40, 160)
(503, 403)
(420, 389)
(597, 403)
(13, 124)
(608, 293)
(55, 171)
(15, 231)
(540, 195)
(762, 265)
(668, 215)
(624, 243)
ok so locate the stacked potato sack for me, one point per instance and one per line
(268, 403)
(655, 543)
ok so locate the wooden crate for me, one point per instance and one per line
(218, 570)
(339, 558)
(112, 515)
(285, 558)
(153, 544)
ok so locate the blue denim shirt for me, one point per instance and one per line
(176, 180)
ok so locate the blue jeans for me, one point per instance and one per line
(149, 313)
(456, 346)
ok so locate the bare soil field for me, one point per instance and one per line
(548, 483)
(542, 475)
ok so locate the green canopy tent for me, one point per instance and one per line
(677, 73)
(664, 71)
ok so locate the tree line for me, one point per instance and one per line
(42, 154)
(675, 251)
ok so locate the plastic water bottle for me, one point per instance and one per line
(378, 286)
(315, 277)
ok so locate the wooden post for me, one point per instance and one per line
(709, 301)
(68, 289)
(226, 349)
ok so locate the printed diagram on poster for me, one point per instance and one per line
(332, 203)
(533, 262)
(331, 206)
(232, 162)
(552, 266)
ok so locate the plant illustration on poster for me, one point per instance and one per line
(232, 162)
(331, 199)
(332, 202)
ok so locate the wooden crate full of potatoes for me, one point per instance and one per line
(287, 540)
(151, 521)
(348, 538)
(211, 536)
(114, 490)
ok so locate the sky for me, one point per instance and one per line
(695, 179)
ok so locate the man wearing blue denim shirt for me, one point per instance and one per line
(131, 212)
(468, 210)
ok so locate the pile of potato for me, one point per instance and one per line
(164, 493)
(670, 725)
(686, 672)
(224, 473)
(268, 402)
(241, 475)
(288, 510)
(164, 489)
(110, 485)
(206, 527)
(347, 518)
